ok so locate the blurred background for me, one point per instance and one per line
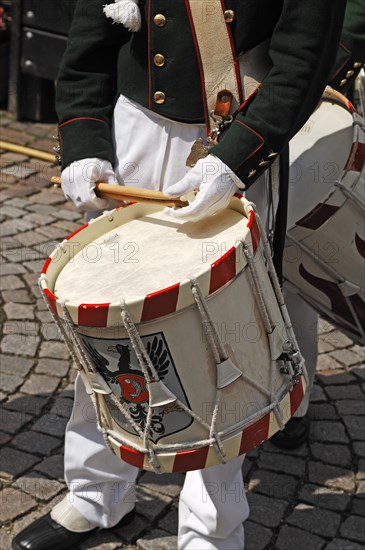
(33, 35)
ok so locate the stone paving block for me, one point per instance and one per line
(351, 407)
(355, 426)
(51, 332)
(256, 536)
(19, 311)
(361, 469)
(344, 392)
(360, 489)
(317, 394)
(282, 463)
(27, 404)
(103, 540)
(301, 451)
(31, 278)
(353, 528)
(52, 232)
(34, 266)
(62, 407)
(51, 424)
(69, 215)
(359, 448)
(332, 432)
(332, 454)
(38, 219)
(324, 346)
(11, 211)
(41, 209)
(18, 203)
(266, 511)
(134, 530)
(39, 486)
(14, 503)
(168, 484)
(327, 362)
(52, 367)
(15, 365)
(13, 462)
(49, 197)
(39, 384)
(11, 282)
(150, 505)
(335, 377)
(10, 382)
(315, 520)
(358, 507)
(322, 411)
(291, 538)
(20, 345)
(55, 350)
(12, 269)
(36, 443)
(19, 254)
(273, 485)
(324, 326)
(359, 372)
(343, 544)
(44, 316)
(346, 357)
(338, 339)
(169, 522)
(157, 539)
(18, 296)
(324, 497)
(30, 238)
(331, 476)
(67, 226)
(13, 421)
(15, 227)
(15, 326)
(52, 467)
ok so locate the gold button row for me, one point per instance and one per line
(229, 16)
(159, 97)
(159, 20)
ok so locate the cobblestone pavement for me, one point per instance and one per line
(312, 498)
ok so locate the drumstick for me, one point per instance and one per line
(122, 193)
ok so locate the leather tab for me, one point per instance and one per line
(223, 103)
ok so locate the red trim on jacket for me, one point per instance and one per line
(81, 118)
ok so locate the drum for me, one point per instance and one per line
(325, 245)
(183, 342)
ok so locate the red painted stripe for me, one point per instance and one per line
(51, 299)
(190, 460)
(318, 216)
(255, 231)
(77, 231)
(296, 396)
(255, 434)
(223, 270)
(131, 456)
(93, 315)
(357, 158)
(46, 264)
(160, 303)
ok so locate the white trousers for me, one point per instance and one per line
(151, 152)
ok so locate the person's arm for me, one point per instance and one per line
(87, 84)
(351, 50)
(302, 49)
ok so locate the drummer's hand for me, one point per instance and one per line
(78, 182)
(216, 183)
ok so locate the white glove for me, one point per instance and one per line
(216, 183)
(78, 182)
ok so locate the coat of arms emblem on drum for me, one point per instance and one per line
(117, 362)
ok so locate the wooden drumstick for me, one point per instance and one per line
(122, 193)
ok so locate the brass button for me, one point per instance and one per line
(343, 82)
(159, 60)
(229, 16)
(349, 74)
(159, 20)
(159, 98)
(357, 65)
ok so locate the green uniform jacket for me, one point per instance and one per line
(351, 51)
(103, 60)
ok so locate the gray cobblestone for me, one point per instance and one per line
(291, 537)
(13, 462)
(52, 367)
(51, 332)
(266, 511)
(332, 454)
(36, 443)
(12, 269)
(13, 421)
(343, 544)
(331, 476)
(27, 328)
(62, 407)
(359, 448)
(133, 531)
(54, 350)
(317, 394)
(169, 485)
(282, 463)
(103, 540)
(39, 384)
(24, 345)
(322, 411)
(355, 426)
(14, 503)
(19, 311)
(14, 227)
(354, 529)
(344, 392)
(11, 282)
(256, 536)
(320, 522)
(39, 486)
(327, 362)
(27, 404)
(10, 382)
(52, 467)
(151, 505)
(18, 296)
(346, 357)
(351, 407)
(169, 522)
(336, 377)
(359, 372)
(273, 485)
(51, 424)
(332, 432)
(157, 539)
(358, 507)
(325, 497)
